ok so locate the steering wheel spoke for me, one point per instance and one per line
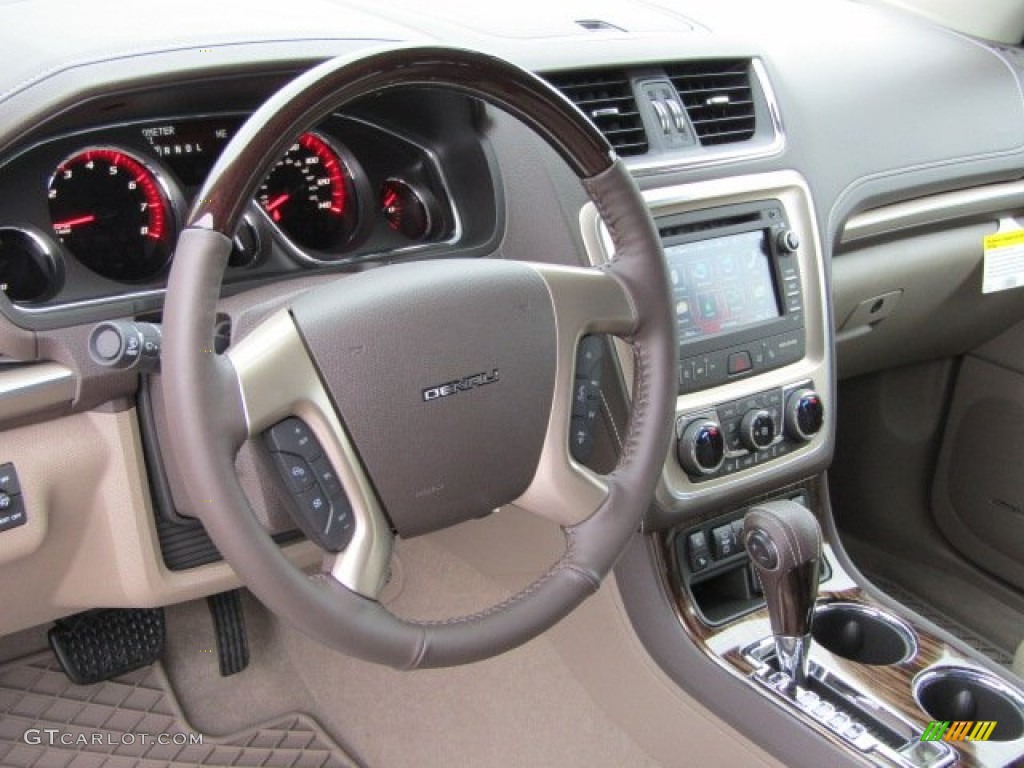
(586, 300)
(277, 380)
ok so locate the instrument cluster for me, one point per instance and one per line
(98, 213)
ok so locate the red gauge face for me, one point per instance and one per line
(113, 214)
(407, 210)
(309, 195)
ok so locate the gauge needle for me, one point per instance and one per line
(276, 203)
(69, 223)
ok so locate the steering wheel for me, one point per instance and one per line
(436, 390)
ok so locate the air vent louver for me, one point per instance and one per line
(718, 98)
(607, 99)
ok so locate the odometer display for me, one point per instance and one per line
(113, 214)
(310, 196)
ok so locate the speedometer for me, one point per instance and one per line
(310, 195)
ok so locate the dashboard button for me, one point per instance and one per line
(723, 542)
(740, 362)
(9, 479)
(12, 514)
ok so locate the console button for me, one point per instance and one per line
(697, 551)
(757, 429)
(686, 375)
(805, 414)
(740, 362)
(701, 449)
(723, 542)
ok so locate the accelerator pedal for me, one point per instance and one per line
(229, 626)
(98, 645)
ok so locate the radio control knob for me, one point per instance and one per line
(787, 241)
(757, 429)
(805, 414)
(701, 449)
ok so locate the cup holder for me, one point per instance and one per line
(965, 694)
(862, 634)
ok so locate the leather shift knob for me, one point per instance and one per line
(783, 540)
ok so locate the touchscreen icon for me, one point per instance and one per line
(701, 271)
(707, 305)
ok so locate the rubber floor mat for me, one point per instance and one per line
(134, 721)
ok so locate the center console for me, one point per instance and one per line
(753, 428)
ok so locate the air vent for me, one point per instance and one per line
(607, 99)
(718, 98)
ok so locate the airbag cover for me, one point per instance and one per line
(443, 374)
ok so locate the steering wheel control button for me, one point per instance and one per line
(586, 397)
(294, 436)
(701, 449)
(805, 414)
(319, 506)
(296, 472)
(327, 477)
(124, 344)
(762, 550)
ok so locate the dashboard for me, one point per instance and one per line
(90, 217)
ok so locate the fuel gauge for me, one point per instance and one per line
(410, 211)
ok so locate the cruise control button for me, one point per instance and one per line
(327, 477)
(294, 436)
(295, 470)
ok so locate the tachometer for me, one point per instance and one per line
(310, 195)
(113, 213)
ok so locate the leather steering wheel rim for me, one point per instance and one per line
(215, 407)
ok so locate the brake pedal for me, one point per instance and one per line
(98, 645)
(229, 627)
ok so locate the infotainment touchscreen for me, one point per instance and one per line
(722, 284)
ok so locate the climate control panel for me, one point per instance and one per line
(733, 436)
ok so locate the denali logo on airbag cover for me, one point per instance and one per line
(459, 385)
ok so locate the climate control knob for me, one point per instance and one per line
(757, 429)
(701, 449)
(805, 414)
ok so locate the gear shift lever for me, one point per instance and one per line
(784, 543)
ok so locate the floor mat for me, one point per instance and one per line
(955, 628)
(134, 721)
